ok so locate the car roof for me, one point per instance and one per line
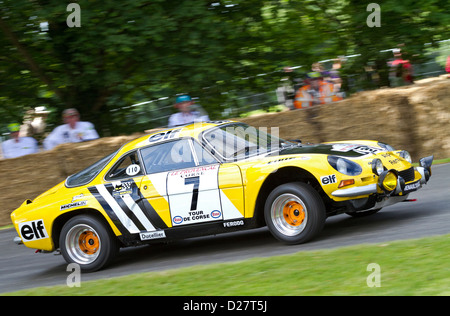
(159, 135)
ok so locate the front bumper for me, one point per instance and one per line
(17, 240)
(357, 191)
(401, 187)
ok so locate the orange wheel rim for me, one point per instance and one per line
(88, 242)
(293, 213)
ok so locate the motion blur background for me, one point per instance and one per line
(125, 63)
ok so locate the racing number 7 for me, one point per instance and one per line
(196, 182)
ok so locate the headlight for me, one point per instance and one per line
(386, 146)
(388, 181)
(344, 166)
(377, 166)
(405, 155)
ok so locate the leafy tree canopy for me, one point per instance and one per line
(130, 51)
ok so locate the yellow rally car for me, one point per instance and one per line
(210, 178)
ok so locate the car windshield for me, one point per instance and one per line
(87, 175)
(238, 141)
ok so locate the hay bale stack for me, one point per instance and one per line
(415, 118)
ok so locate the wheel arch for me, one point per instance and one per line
(64, 218)
(281, 176)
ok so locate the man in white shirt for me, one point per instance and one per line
(186, 115)
(73, 131)
(18, 146)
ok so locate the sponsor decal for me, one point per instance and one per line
(122, 188)
(365, 150)
(72, 205)
(234, 223)
(164, 135)
(78, 197)
(328, 179)
(281, 160)
(193, 172)
(33, 230)
(197, 216)
(360, 149)
(178, 220)
(152, 235)
(133, 170)
(394, 161)
(412, 186)
(343, 147)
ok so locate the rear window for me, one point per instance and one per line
(87, 175)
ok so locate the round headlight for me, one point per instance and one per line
(345, 166)
(377, 166)
(388, 181)
(405, 155)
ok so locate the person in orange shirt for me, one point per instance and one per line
(315, 92)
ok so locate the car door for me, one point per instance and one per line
(182, 183)
(120, 195)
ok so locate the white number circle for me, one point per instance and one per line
(133, 170)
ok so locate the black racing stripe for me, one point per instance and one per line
(151, 214)
(146, 207)
(112, 215)
(124, 207)
(129, 213)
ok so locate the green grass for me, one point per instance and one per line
(412, 267)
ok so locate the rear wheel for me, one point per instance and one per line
(86, 241)
(294, 213)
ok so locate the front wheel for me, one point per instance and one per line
(85, 240)
(294, 213)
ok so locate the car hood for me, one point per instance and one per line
(351, 150)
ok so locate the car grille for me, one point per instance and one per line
(407, 174)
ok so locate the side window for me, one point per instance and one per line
(204, 157)
(168, 156)
(126, 167)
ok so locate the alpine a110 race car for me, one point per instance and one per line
(209, 178)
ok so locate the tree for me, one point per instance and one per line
(132, 51)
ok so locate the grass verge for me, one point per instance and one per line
(411, 267)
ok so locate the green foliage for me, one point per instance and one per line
(130, 51)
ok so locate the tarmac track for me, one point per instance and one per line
(20, 268)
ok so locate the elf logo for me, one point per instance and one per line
(328, 179)
(33, 230)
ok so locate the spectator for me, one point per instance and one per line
(401, 70)
(290, 82)
(73, 131)
(316, 91)
(18, 146)
(186, 114)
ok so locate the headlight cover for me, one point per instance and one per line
(405, 155)
(344, 166)
(377, 166)
(386, 146)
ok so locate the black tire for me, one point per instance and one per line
(87, 241)
(363, 213)
(294, 213)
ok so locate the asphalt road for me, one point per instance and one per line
(21, 268)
